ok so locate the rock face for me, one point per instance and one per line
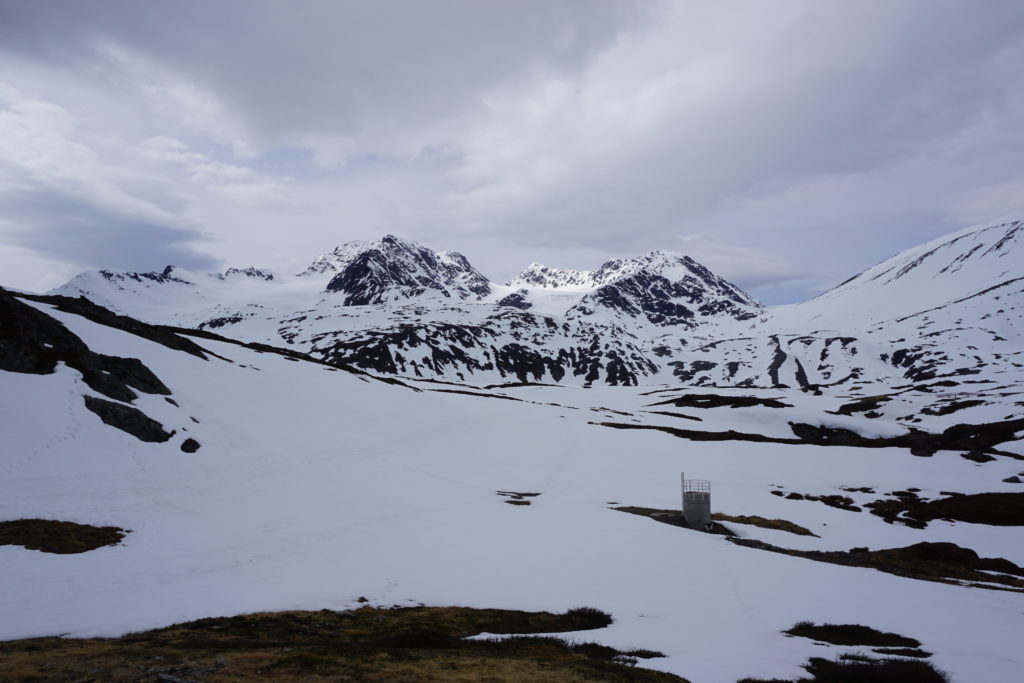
(538, 275)
(33, 342)
(392, 269)
(667, 290)
(128, 419)
(334, 260)
(943, 311)
(248, 272)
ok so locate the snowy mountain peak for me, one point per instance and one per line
(539, 275)
(393, 268)
(667, 289)
(336, 259)
(944, 271)
(258, 273)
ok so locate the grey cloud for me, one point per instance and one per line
(327, 67)
(837, 90)
(73, 229)
(825, 136)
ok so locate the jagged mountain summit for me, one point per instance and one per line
(336, 259)
(392, 269)
(539, 275)
(393, 306)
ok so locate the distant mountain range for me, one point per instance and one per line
(949, 308)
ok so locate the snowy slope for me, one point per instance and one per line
(394, 306)
(939, 273)
(314, 486)
(945, 310)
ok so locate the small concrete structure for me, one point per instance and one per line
(696, 502)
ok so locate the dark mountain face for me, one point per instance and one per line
(939, 312)
(639, 288)
(512, 346)
(395, 269)
(248, 272)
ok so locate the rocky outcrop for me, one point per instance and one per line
(128, 419)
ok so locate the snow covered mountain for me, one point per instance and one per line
(394, 306)
(947, 310)
(247, 478)
(395, 270)
(538, 275)
(944, 273)
(944, 310)
(858, 447)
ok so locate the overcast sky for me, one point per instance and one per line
(786, 145)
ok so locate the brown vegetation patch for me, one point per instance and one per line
(367, 644)
(673, 517)
(52, 536)
(859, 668)
(902, 652)
(754, 520)
(940, 562)
(851, 634)
(850, 668)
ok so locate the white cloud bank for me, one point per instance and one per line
(786, 145)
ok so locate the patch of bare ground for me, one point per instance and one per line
(517, 497)
(668, 413)
(673, 517)
(850, 634)
(52, 536)
(764, 523)
(977, 442)
(863, 405)
(940, 562)
(719, 401)
(906, 507)
(367, 644)
(851, 668)
(832, 500)
(859, 668)
(902, 652)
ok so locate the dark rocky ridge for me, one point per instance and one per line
(449, 347)
(128, 419)
(652, 296)
(402, 269)
(33, 342)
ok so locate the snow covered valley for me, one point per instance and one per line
(311, 487)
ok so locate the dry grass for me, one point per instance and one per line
(754, 520)
(673, 517)
(851, 634)
(940, 562)
(51, 536)
(368, 644)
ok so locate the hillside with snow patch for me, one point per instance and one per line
(313, 485)
(395, 307)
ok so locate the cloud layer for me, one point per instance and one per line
(786, 145)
